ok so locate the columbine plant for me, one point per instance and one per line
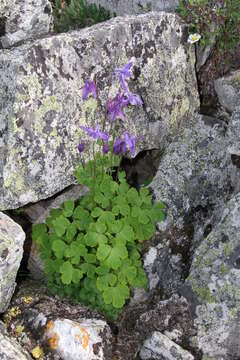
(91, 248)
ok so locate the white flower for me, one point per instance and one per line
(194, 38)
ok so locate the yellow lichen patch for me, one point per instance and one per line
(53, 341)
(37, 353)
(14, 311)
(19, 329)
(84, 337)
(27, 299)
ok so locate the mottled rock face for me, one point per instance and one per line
(123, 7)
(11, 250)
(9, 348)
(228, 90)
(24, 19)
(214, 281)
(160, 347)
(41, 106)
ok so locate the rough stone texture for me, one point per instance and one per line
(195, 173)
(9, 348)
(228, 90)
(132, 7)
(41, 106)
(214, 282)
(23, 20)
(11, 250)
(160, 347)
(37, 213)
(63, 331)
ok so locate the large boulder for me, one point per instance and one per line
(11, 250)
(41, 106)
(228, 90)
(24, 19)
(123, 7)
(213, 285)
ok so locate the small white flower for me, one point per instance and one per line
(194, 38)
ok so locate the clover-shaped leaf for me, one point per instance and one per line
(66, 270)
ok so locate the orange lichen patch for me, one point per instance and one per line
(49, 325)
(53, 341)
(84, 338)
(27, 299)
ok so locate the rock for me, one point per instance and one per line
(11, 251)
(40, 124)
(228, 90)
(214, 285)
(194, 174)
(37, 213)
(203, 53)
(23, 20)
(61, 330)
(9, 348)
(160, 347)
(122, 7)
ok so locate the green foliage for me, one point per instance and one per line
(77, 15)
(92, 248)
(202, 14)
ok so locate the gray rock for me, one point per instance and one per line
(37, 213)
(24, 20)
(160, 347)
(9, 348)
(64, 331)
(123, 7)
(41, 104)
(228, 90)
(11, 250)
(195, 173)
(214, 281)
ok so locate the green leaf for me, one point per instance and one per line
(96, 212)
(102, 270)
(107, 217)
(157, 211)
(104, 281)
(54, 213)
(115, 226)
(82, 218)
(68, 207)
(38, 231)
(103, 251)
(71, 232)
(117, 253)
(59, 247)
(143, 217)
(100, 227)
(60, 225)
(126, 234)
(76, 276)
(133, 197)
(67, 271)
(116, 295)
(89, 269)
(90, 258)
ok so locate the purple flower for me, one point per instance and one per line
(133, 99)
(96, 134)
(89, 88)
(124, 73)
(114, 108)
(119, 147)
(130, 142)
(81, 147)
(106, 148)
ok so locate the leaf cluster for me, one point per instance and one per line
(202, 14)
(91, 248)
(78, 14)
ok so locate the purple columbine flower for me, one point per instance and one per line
(114, 108)
(106, 148)
(81, 147)
(89, 88)
(96, 134)
(130, 142)
(124, 73)
(119, 147)
(133, 99)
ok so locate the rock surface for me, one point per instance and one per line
(228, 90)
(40, 123)
(23, 20)
(61, 330)
(11, 251)
(160, 347)
(123, 7)
(214, 283)
(9, 348)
